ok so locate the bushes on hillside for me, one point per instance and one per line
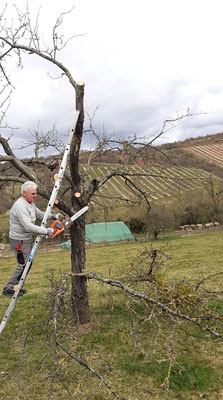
(192, 207)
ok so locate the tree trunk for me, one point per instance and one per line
(79, 295)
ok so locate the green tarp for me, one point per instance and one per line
(66, 245)
(104, 232)
(107, 232)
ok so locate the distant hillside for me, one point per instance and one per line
(161, 182)
(210, 152)
(216, 138)
(204, 153)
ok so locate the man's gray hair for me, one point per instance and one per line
(27, 186)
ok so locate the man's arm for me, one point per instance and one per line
(24, 218)
(40, 214)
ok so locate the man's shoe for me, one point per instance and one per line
(10, 292)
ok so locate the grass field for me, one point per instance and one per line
(4, 227)
(123, 345)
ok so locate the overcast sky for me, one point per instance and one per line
(142, 62)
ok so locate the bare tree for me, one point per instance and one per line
(214, 190)
(159, 219)
(25, 38)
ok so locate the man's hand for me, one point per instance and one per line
(59, 216)
(50, 232)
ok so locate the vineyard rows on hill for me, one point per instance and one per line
(212, 152)
(156, 182)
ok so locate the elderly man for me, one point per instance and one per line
(23, 215)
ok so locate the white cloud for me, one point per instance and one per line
(142, 62)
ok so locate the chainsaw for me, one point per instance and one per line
(60, 226)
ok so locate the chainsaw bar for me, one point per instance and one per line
(60, 226)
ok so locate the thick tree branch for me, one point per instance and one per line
(16, 162)
(31, 50)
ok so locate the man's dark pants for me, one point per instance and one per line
(26, 247)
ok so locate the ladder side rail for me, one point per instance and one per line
(61, 172)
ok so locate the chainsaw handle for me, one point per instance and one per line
(58, 227)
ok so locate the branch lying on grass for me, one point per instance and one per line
(90, 369)
(67, 351)
(134, 293)
(166, 383)
(24, 346)
(208, 277)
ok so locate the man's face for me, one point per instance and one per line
(30, 196)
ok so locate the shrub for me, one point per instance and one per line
(136, 225)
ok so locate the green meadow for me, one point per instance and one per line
(123, 344)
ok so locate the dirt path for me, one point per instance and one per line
(6, 251)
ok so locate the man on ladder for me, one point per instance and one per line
(23, 215)
(31, 212)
